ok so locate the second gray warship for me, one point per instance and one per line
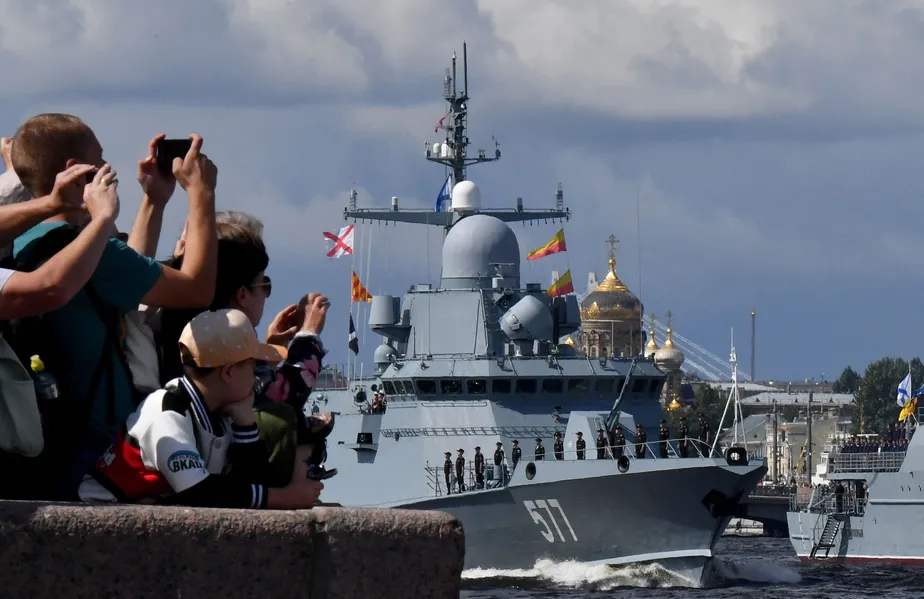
(481, 360)
(867, 511)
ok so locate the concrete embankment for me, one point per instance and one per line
(75, 551)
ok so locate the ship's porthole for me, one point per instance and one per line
(530, 471)
(622, 464)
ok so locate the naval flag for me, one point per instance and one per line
(354, 341)
(904, 391)
(445, 193)
(342, 242)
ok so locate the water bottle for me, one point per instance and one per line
(46, 387)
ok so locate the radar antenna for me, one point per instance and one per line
(453, 153)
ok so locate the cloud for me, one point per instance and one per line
(672, 59)
(775, 146)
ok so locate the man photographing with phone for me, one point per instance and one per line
(80, 343)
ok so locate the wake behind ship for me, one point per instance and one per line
(481, 362)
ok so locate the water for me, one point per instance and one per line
(775, 573)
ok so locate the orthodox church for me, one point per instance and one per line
(611, 325)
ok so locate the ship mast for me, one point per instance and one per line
(453, 154)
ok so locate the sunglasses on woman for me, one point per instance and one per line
(267, 285)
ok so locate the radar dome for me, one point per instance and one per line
(478, 248)
(465, 196)
(383, 355)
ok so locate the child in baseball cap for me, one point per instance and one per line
(183, 442)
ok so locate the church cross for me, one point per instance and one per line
(670, 318)
(613, 243)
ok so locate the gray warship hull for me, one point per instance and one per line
(670, 511)
(888, 527)
(611, 519)
(895, 536)
(884, 523)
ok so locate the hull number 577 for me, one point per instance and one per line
(546, 505)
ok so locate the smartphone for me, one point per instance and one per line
(168, 149)
(320, 473)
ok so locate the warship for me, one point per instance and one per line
(875, 515)
(481, 360)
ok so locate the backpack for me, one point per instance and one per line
(65, 421)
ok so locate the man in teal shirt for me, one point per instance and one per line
(80, 350)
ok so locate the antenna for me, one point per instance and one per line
(753, 342)
(453, 153)
(638, 236)
(733, 401)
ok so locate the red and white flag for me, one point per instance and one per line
(341, 244)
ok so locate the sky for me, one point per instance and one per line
(749, 154)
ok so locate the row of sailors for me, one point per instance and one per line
(883, 446)
(901, 430)
(618, 447)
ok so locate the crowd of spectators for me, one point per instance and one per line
(124, 378)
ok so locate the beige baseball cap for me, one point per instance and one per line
(222, 338)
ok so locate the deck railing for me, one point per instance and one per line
(841, 463)
(495, 476)
(772, 491)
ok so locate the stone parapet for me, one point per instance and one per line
(75, 551)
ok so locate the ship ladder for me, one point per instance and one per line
(828, 534)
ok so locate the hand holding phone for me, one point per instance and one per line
(167, 150)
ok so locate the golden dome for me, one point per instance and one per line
(669, 358)
(669, 342)
(674, 405)
(652, 346)
(611, 300)
(569, 341)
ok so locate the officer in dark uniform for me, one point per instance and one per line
(704, 434)
(580, 445)
(499, 454)
(558, 448)
(460, 471)
(447, 470)
(619, 443)
(839, 497)
(601, 444)
(684, 443)
(479, 468)
(640, 439)
(663, 435)
(515, 453)
(540, 450)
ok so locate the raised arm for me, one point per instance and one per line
(193, 285)
(158, 189)
(295, 379)
(58, 280)
(16, 219)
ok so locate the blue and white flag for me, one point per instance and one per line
(904, 391)
(445, 193)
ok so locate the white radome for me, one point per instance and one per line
(465, 196)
